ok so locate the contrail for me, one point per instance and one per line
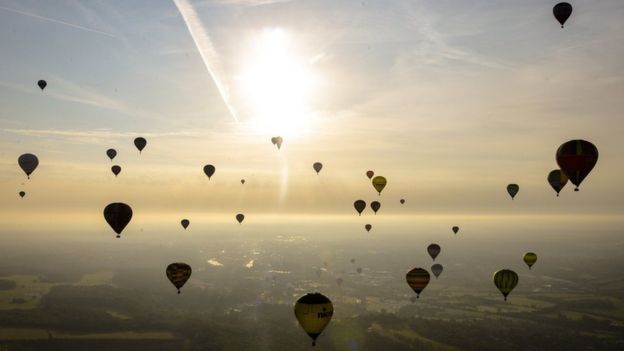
(205, 48)
(28, 14)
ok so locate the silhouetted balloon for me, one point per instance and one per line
(379, 183)
(505, 280)
(455, 229)
(314, 312)
(512, 189)
(22, 194)
(242, 181)
(240, 218)
(359, 270)
(577, 158)
(375, 206)
(140, 143)
(417, 279)
(317, 167)
(529, 258)
(185, 223)
(562, 12)
(437, 269)
(368, 227)
(111, 153)
(370, 174)
(178, 274)
(557, 180)
(28, 163)
(277, 141)
(42, 84)
(118, 215)
(209, 170)
(434, 250)
(359, 205)
(116, 169)
(402, 201)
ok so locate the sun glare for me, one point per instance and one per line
(276, 86)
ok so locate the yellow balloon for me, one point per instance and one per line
(314, 311)
(379, 183)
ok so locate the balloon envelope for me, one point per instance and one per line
(577, 158)
(185, 223)
(22, 194)
(375, 206)
(314, 312)
(402, 201)
(240, 217)
(417, 279)
(178, 274)
(209, 170)
(562, 12)
(140, 143)
(368, 227)
(317, 167)
(242, 181)
(118, 215)
(437, 269)
(359, 205)
(557, 180)
(455, 229)
(116, 170)
(434, 250)
(529, 258)
(28, 163)
(111, 153)
(42, 84)
(370, 174)
(277, 141)
(505, 280)
(379, 183)
(513, 189)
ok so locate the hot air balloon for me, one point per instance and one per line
(116, 169)
(375, 206)
(317, 167)
(529, 258)
(242, 181)
(209, 170)
(140, 143)
(42, 84)
(178, 273)
(277, 141)
(402, 201)
(434, 250)
(368, 227)
(339, 281)
(22, 194)
(28, 163)
(359, 205)
(512, 189)
(314, 312)
(455, 229)
(437, 269)
(379, 183)
(370, 174)
(562, 12)
(577, 158)
(185, 223)
(557, 180)
(240, 218)
(417, 279)
(118, 215)
(359, 270)
(111, 153)
(505, 280)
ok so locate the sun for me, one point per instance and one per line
(276, 85)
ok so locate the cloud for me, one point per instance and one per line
(95, 135)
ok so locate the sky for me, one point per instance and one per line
(449, 100)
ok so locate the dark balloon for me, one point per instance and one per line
(178, 274)
(317, 167)
(118, 215)
(242, 181)
(185, 223)
(209, 170)
(417, 279)
(240, 218)
(375, 206)
(455, 229)
(28, 163)
(505, 280)
(111, 153)
(577, 158)
(359, 205)
(42, 84)
(434, 250)
(513, 189)
(379, 183)
(368, 227)
(562, 12)
(140, 143)
(314, 312)
(116, 169)
(370, 174)
(22, 194)
(437, 269)
(557, 180)
(402, 201)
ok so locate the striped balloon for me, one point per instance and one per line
(178, 274)
(505, 280)
(417, 279)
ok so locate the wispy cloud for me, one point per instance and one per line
(206, 49)
(94, 136)
(48, 19)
